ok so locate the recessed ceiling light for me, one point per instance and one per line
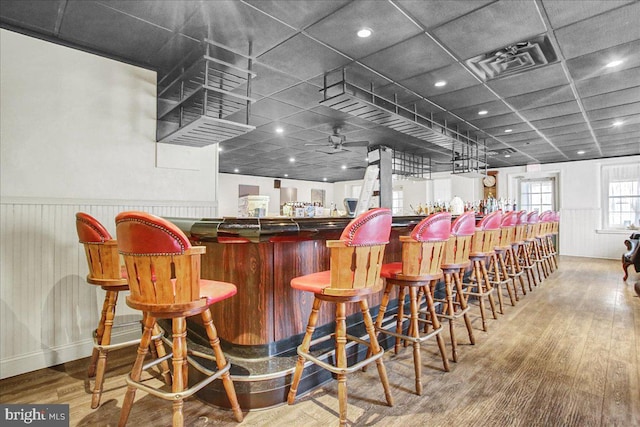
(507, 155)
(508, 130)
(286, 175)
(614, 63)
(440, 83)
(344, 166)
(618, 123)
(364, 32)
(236, 170)
(219, 148)
(292, 159)
(279, 130)
(324, 179)
(482, 112)
(581, 152)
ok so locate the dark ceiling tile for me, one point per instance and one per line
(562, 139)
(167, 14)
(388, 24)
(311, 58)
(32, 14)
(302, 95)
(296, 13)
(470, 96)
(411, 57)
(516, 127)
(609, 82)
(494, 108)
(609, 29)
(491, 27)
(606, 124)
(521, 136)
(500, 121)
(614, 112)
(130, 38)
(549, 111)
(235, 24)
(564, 130)
(307, 119)
(542, 98)
(594, 64)
(564, 12)
(537, 79)
(569, 119)
(629, 137)
(272, 109)
(455, 75)
(624, 96)
(436, 12)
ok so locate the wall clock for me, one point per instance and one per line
(490, 185)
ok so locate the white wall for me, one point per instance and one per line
(579, 203)
(229, 183)
(77, 133)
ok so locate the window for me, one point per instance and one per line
(397, 207)
(621, 191)
(537, 194)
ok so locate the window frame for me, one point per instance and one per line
(619, 173)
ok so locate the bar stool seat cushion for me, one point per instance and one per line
(315, 282)
(215, 291)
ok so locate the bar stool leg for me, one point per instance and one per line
(99, 334)
(179, 367)
(492, 303)
(221, 362)
(513, 295)
(512, 262)
(306, 344)
(436, 325)
(160, 352)
(383, 308)
(375, 348)
(400, 317)
(414, 332)
(341, 360)
(103, 338)
(462, 300)
(136, 371)
(493, 267)
(448, 288)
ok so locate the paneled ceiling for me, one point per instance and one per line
(571, 106)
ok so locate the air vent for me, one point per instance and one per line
(514, 58)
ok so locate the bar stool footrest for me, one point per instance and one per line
(334, 369)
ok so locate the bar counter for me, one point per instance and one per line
(261, 326)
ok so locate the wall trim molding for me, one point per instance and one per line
(104, 202)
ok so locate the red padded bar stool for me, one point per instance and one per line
(356, 260)
(515, 272)
(498, 268)
(105, 271)
(534, 246)
(163, 271)
(419, 270)
(520, 249)
(454, 262)
(483, 243)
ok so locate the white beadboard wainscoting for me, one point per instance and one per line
(48, 311)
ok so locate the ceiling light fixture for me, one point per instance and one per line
(618, 123)
(279, 130)
(614, 63)
(324, 179)
(440, 83)
(344, 166)
(581, 152)
(508, 130)
(219, 148)
(292, 159)
(482, 112)
(236, 170)
(286, 175)
(507, 155)
(363, 33)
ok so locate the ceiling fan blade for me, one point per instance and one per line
(356, 143)
(319, 145)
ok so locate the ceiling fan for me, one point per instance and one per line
(336, 143)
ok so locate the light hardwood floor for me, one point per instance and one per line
(568, 354)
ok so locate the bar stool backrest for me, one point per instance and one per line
(487, 233)
(533, 225)
(163, 268)
(521, 226)
(508, 228)
(456, 250)
(422, 251)
(556, 223)
(356, 259)
(101, 251)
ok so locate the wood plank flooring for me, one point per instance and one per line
(568, 354)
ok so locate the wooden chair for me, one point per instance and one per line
(356, 260)
(547, 219)
(534, 247)
(418, 273)
(454, 263)
(498, 274)
(105, 271)
(164, 280)
(482, 250)
(520, 249)
(510, 241)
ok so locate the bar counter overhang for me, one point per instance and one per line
(261, 326)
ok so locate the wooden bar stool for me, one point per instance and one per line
(534, 245)
(422, 253)
(482, 250)
(498, 268)
(520, 249)
(105, 271)
(547, 219)
(163, 271)
(356, 260)
(515, 272)
(454, 262)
